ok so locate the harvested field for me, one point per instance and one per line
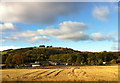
(67, 73)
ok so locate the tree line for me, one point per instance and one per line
(88, 58)
(30, 55)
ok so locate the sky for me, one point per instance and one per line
(83, 26)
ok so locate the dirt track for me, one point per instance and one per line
(76, 73)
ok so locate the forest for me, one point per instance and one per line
(13, 57)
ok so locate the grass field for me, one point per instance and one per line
(63, 73)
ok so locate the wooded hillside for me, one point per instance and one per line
(30, 55)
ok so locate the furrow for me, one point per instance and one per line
(58, 72)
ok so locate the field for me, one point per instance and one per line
(63, 73)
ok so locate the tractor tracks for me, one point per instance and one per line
(41, 74)
(74, 73)
(49, 74)
(54, 73)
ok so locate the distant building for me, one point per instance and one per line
(68, 64)
(104, 63)
(35, 65)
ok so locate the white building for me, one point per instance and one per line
(104, 63)
(35, 65)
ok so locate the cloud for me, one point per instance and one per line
(97, 36)
(8, 47)
(101, 13)
(36, 39)
(100, 37)
(67, 30)
(69, 26)
(38, 12)
(74, 36)
(10, 38)
(31, 39)
(7, 26)
(59, 1)
(27, 34)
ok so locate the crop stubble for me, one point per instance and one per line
(77, 73)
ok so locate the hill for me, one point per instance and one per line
(13, 57)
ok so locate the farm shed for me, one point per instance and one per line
(35, 64)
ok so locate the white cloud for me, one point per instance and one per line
(101, 13)
(77, 36)
(27, 34)
(37, 39)
(101, 37)
(97, 36)
(10, 38)
(7, 26)
(32, 39)
(68, 30)
(37, 12)
(60, 0)
(69, 26)
(8, 47)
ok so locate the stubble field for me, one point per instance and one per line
(65, 73)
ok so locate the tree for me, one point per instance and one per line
(17, 59)
(8, 61)
(69, 60)
(118, 60)
(113, 61)
(100, 62)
